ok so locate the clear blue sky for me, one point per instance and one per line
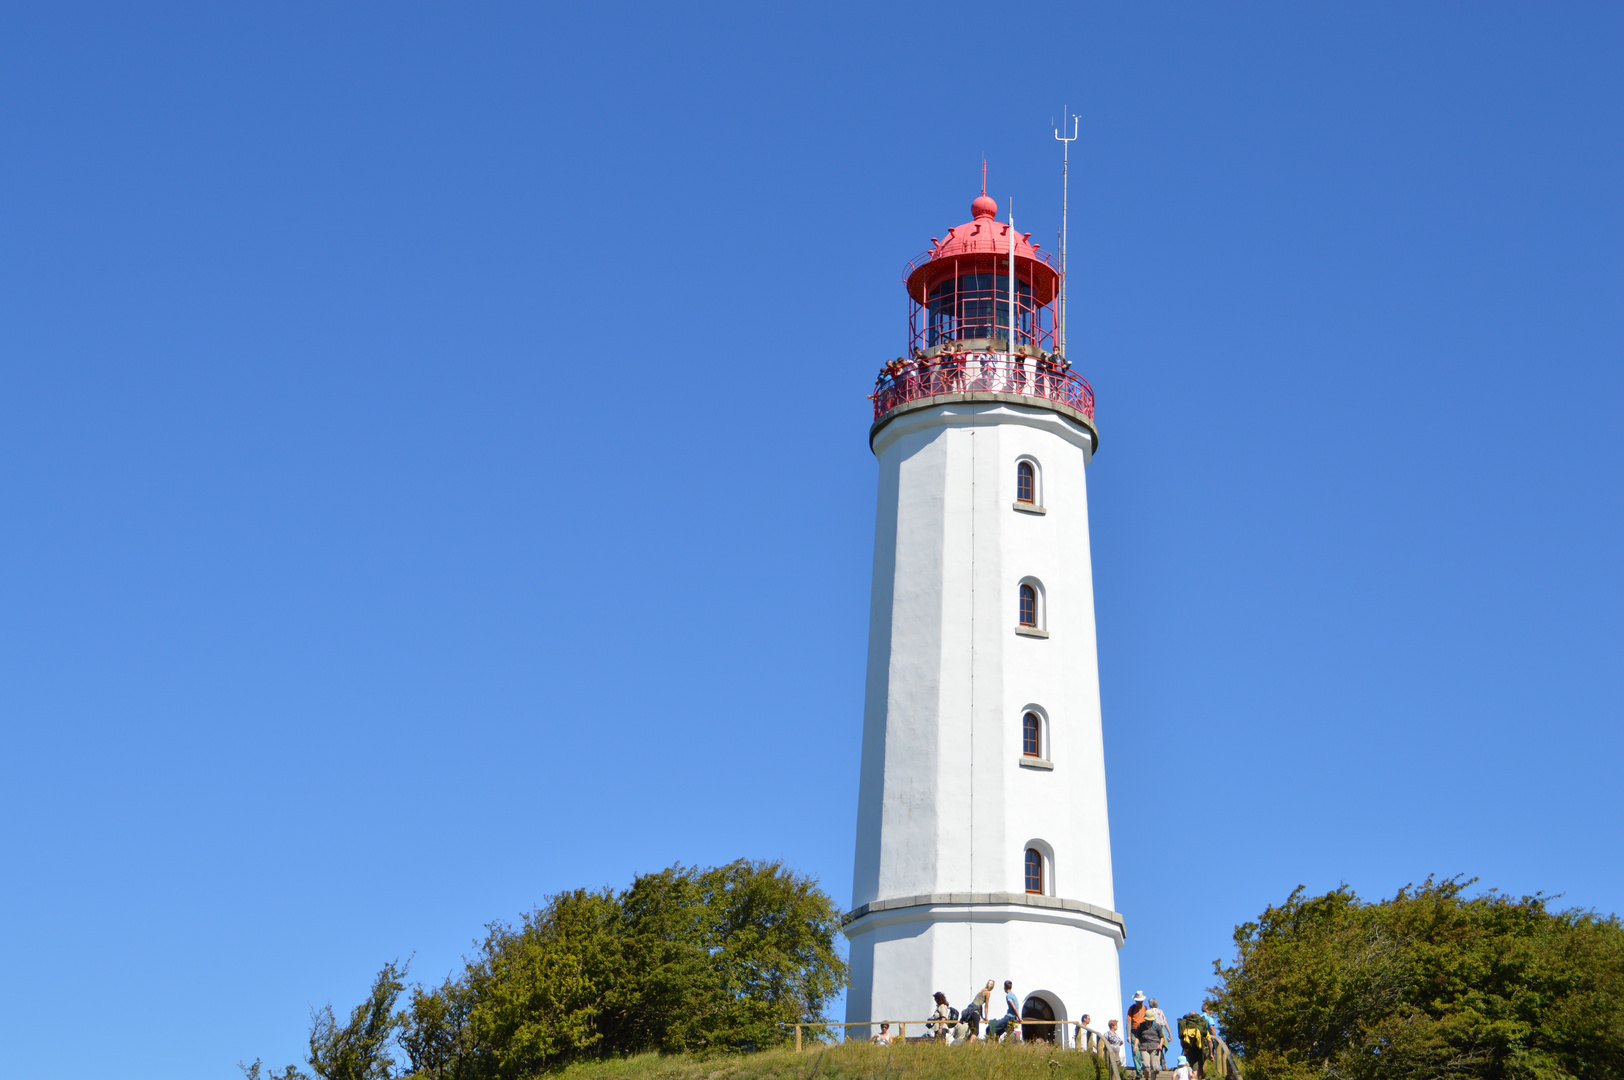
(433, 468)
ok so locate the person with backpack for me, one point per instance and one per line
(975, 1012)
(969, 1027)
(1136, 1011)
(942, 1020)
(1195, 1039)
(1148, 1036)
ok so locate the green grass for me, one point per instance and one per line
(856, 1061)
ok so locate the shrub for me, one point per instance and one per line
(1428, 984)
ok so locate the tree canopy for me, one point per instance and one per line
(684, 959)
(1429, 984)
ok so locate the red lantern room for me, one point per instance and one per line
(962, 339)
(960, 289)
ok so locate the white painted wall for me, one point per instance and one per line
(944, 805)
(1073, 962)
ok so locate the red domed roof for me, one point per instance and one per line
(984, 238)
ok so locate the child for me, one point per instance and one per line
(1183, 1071)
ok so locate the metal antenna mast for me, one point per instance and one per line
(1065, 184)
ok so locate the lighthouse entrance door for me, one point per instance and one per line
(1033, 1013)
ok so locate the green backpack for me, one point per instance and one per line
(1195, 1036)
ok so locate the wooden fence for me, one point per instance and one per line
(1086, 1039)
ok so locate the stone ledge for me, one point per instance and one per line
(1028, 400)
(997, 899)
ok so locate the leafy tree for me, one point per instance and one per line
(684, 959)
(722, 958)
(435, 1035)
(359, 1050)
(773, 936)
(1429, 984)
(538, 991)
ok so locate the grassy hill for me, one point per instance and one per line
(856, 1061)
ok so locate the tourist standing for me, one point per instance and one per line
(1114, 1044)
(941, 1019)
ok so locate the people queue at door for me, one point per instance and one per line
(1144, 1046)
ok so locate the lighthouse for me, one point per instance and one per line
(983, 847)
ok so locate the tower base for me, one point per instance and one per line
(1063, 953)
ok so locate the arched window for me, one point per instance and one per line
(1029, 606)
(1034, 871)
(1025, 483)
(1031, 735)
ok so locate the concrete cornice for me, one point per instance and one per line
(997, 899)
(988, 397)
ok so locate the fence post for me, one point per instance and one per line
(902, 1030)
(797, 1038)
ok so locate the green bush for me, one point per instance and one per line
(1429, 984)
(684, 960)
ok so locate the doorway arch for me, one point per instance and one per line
(1040, 1015)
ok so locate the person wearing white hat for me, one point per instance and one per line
(1148, 1037)
(1136, 1013)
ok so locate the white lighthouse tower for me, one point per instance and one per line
(983, 850)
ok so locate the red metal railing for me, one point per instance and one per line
(956, 373)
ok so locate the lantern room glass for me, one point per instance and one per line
(975, 306)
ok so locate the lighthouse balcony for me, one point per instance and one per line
(967, 373)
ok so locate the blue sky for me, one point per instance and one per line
(433, 468)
